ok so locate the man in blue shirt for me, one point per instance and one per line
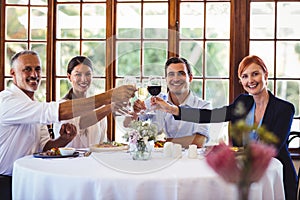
(178, 77)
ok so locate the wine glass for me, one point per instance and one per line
(154, 88)
(126, 110)
(142, 93)
(154, 85)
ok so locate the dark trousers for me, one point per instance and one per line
(5, 187)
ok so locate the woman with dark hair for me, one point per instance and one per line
(259, 107)
(79, 73)
(23, 120)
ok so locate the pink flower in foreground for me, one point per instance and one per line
(222, 159)
(250, 166)
(261, 156)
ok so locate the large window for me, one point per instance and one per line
(25, 27)
(80, 30)
(134, 38)
(275, 36)
(204, 39)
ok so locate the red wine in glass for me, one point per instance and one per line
(154, 90)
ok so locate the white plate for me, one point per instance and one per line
(97, 148)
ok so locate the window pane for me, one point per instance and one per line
(96, 52)
(288, 20)
(295, 143)
(97, 86)
(16, 23)
(290, 91)
(95, 1)
(68, 0)
(288, 59)
(218, 20)
(63, 86)
(271, 85)
(191, 20)
(155, 20)
(217, 59)
(8, 82)
(94, 20)
(155, 56)
(193, 52)
(217, 92)
(39, 2)
(11, 49)
(259, 48)
(40, 48)
(40, 94)
(24, 2)
(196, 87)
(64, 52)
(128, 20)
(262, 20)
(128, 58)
(38, 23)
(68, 21)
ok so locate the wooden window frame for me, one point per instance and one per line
(239, 45)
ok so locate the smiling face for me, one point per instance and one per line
(178, 80)
(254, 79)
(26, 73)
(80, 78)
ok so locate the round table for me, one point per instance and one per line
(115, 175)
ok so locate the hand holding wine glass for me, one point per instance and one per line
(164, 106)
(154, 87)
(126, 108)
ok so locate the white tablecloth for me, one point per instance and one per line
(114, 175)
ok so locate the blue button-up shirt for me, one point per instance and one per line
(177, 128)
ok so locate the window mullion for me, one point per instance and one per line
(239, 42)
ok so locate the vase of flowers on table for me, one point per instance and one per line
(140, 137)
(247, 165)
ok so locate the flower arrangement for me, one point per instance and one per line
(247, 166)
(141, 131)
(138, 136)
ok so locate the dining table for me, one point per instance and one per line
(114, 175)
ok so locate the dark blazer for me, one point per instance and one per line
(278, 119)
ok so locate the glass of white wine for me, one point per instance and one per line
(142, 93)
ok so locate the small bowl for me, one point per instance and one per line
(66, 151)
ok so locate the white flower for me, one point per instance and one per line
(141, 131)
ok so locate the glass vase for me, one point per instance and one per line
(142, 151)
